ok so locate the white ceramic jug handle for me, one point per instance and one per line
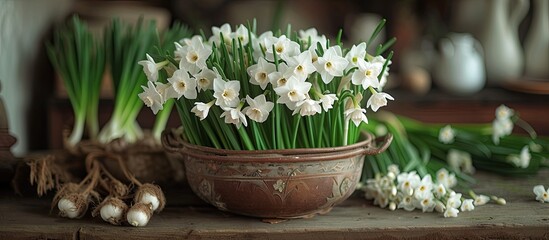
(519, 9)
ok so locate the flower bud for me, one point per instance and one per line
(392, 206)
(439, 207)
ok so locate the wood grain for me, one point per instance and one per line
(522, 217)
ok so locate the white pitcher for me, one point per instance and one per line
(536, 45)
(460, 68)
(499, 37)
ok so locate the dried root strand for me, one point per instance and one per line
(151, 194)
(46, 174)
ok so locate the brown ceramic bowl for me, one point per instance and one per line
(291, 183)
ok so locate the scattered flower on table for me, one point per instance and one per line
(410, 191)
(542, 195)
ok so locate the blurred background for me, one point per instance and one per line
(455, 60)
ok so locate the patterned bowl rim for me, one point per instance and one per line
(172, 142)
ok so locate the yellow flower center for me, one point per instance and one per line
(299, 68)
(192, 57)
(368, 73)
(148, 101)
(292, 93)
(355, 59)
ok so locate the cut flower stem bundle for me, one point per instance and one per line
(454, 151)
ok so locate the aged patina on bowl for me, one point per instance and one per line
(290, 183)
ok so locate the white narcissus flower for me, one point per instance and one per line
(447, 179)
(258, 109)
(179, 51)
(307, 107)
(481, 200)
(424, 189)
(224, 30)
(440, 190)
(407, 203)
(385, 75)
(241, 34)
(201, 109)
(183, 84)
(284, 48)
(204, 79)
(226, 93)
(293, 91)
(446, 135)
(525, 157)
(311, 34)
(280, 78)
(259, 45)
(407, 182)
(454, 201)
(331, 64)
(151, 97)
(501, 127)
(150, 67)
(301, 65)
(542, 195)
(356, 114)
(357, 52)
(522, 160)
(366, 74)
(327, 101)
(427, 204)
(439, 206)
(451, 212)
(460, 161)
(393, 168)
(467, 205)
(234, 116)
(194, 56)
(166, 91)
(377, 100)
(503, 112)
(259, 73)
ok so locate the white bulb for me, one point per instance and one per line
(110, 212)
(137, 218)
(148, 198)
(67, 208)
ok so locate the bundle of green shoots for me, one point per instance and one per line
(80, 59)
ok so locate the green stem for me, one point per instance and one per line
(161, 120)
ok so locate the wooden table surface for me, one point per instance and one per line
(522, 217)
